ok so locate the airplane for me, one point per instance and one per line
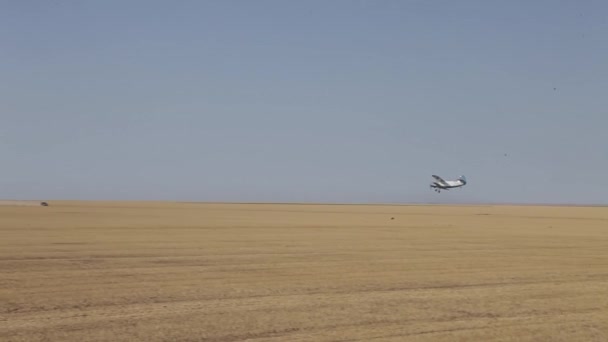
(441, 184)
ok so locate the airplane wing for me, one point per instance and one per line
(439, 179)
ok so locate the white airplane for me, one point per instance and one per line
(441, 184)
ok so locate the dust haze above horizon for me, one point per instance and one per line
(271, 101)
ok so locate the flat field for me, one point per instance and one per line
(119, 271)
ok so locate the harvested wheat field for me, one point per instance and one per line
(104, 271)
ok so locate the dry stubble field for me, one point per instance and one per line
(84, 271)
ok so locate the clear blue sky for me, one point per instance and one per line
(321, 101)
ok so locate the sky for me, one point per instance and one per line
(304, 101)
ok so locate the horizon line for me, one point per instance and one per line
(326, 203)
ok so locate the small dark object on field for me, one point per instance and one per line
(44, 204)
(392, 218)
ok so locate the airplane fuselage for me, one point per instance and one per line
(448, 184)
(441, 184)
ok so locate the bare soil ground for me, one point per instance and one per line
(19, 203)
(83, 271)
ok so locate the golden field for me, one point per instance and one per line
(120, 271)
